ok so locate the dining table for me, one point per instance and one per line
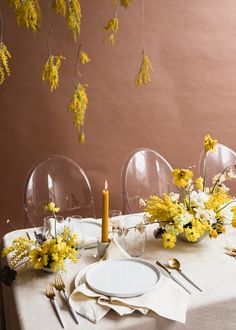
(26, 307)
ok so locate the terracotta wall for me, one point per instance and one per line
(192, 45)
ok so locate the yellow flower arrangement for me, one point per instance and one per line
(50, 252)
(194, 212)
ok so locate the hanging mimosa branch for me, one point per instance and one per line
(60, 7)
(4, 55)
(49, 37)
(51, 67)
(74, 18)
(28, 13)
(79, 101)
(112, 27)
(143, 76)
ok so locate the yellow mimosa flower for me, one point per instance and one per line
(78, 107)
(82, 138)
(209, 144)
(181, 177)
(84, 58)
(112, 28)
(60, 7)
(15, 3)
(74, 18)
(28, 14)
(4, 56)
(51, 71)
(143, 76)
(125, 3)
(217, 199)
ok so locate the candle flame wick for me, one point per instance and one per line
(106, 185)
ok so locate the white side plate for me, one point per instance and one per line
(123, 277)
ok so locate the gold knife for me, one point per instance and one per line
(172, 276)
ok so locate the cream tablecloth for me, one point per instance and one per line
(27, 308)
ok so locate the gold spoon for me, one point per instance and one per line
(175, 264)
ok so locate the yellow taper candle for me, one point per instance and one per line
(105, 210)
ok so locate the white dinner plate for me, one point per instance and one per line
(123, 277)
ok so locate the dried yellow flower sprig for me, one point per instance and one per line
(74, 18)
(60, 7)
(112, 28)
(51, 71)
(15, 3)
(28, 13)
(125, 3)
(84, 58)
(4, 56)
(143, 77)
(78, 107)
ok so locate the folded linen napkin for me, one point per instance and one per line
(167, 299)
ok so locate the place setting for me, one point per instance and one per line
(90, 266)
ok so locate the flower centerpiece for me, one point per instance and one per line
(43, 252)
(196, 209)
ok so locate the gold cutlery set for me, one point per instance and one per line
(60, 286)
(175, 264)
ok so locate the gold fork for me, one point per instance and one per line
(60, 286)
(231, 252)
(51, 295)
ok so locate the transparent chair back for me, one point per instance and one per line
(57, 179)
(216, 162)
(144, 173)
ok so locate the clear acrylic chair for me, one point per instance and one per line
(216, 162)
(57, 179)
(145, 172)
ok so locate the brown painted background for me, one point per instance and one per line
(192, 45)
